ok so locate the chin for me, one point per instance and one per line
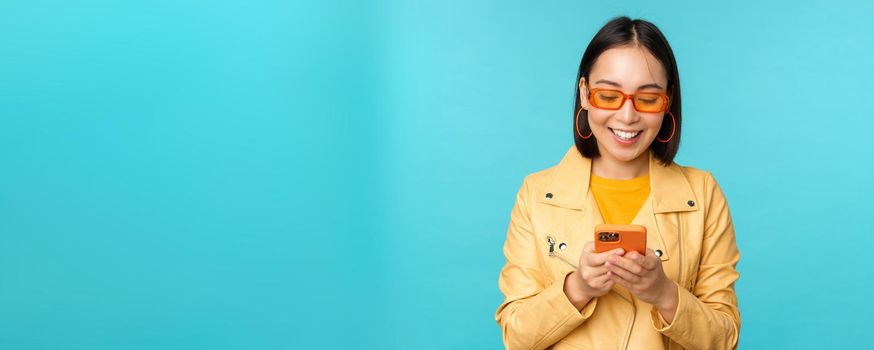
(626, 155)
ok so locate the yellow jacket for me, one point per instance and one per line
(687, 219)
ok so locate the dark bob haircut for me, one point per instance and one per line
(623, 31)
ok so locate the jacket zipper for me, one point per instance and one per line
(680, 243)
(681, 262)
(553, 253)
(630, 323)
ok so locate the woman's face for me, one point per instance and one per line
(631, 70)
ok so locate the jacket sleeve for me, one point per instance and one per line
(708, 317)
(535, 314)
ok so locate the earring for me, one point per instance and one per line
(577, 125)
(673, 128)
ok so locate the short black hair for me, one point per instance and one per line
(622, 31)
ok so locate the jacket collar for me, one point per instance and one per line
(569, 186)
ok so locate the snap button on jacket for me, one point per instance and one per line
(687, 220)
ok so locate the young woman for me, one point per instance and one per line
(680, 294)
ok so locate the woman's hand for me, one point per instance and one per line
(644, 277)
(590, 280)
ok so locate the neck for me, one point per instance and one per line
(608, 167)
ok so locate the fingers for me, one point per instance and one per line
(589, 247)
(648, 262)
(603, 281)
(596, 259)
(590, 273)
(641, 260)
(638, 273)
(619, 280)
(651, 261)
(624, 274)
(627, 263)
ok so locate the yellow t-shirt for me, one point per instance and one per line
(619, 200)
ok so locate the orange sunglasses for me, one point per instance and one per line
(645, 102)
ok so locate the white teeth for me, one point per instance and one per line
(625, 135)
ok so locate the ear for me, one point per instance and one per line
(584, 95)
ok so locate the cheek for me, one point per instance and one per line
(654, 126)
(598, 119)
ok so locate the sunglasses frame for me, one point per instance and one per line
(625, 97)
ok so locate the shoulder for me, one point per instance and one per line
(535, 183)
(539, 178)
(698, 176)
(695, 175)
(705, 186)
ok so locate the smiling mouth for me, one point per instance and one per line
(625, 135)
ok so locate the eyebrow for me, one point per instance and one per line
(644, 86)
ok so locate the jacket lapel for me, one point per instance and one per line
(670, 193)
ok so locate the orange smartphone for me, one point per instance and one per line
(628, 237)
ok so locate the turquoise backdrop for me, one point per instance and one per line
(340, 174)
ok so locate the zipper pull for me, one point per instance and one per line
(551, 245)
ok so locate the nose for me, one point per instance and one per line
(627, 114)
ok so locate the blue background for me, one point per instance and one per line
(270, 175)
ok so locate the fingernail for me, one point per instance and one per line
(620, 251)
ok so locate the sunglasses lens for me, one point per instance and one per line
(607, 99)
(649, 102)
